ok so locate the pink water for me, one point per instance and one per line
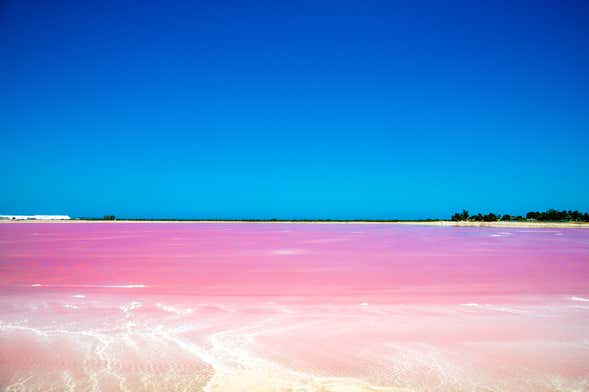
(301, 307)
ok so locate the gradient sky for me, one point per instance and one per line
(299, 109)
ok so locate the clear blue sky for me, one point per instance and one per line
(295, 109)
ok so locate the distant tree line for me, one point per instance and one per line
(546, 216)
(555, 215)
(465, 216)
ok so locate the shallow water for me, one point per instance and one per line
(318, 307)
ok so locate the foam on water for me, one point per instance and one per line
(579, 299)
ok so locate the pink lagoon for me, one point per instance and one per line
(292, 307)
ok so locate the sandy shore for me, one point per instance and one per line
(562, 225)
(503, 224)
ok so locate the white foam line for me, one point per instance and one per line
(230, 354)
(122, 286)
(579, 299)
(107, 286)
(10, 327)
(288, 252)
(492, 308)
(130, 306)
(171, 309)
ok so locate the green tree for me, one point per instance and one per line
(460, 216)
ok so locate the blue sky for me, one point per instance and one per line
(302, 109)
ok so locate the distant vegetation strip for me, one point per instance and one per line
(464, 216)
(532, 216)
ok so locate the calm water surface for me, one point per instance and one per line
(301, 307)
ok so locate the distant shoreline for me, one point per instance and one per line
(442, 223)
